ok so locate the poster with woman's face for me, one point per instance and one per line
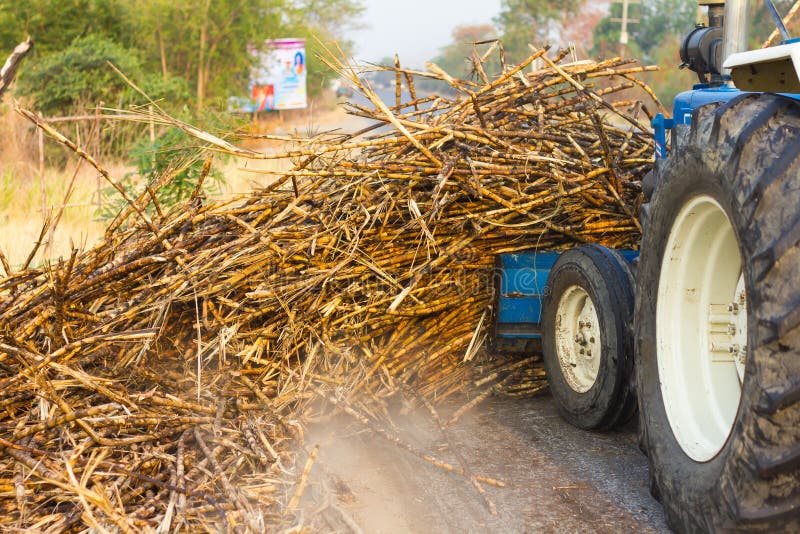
(285, 69)
(278, 80)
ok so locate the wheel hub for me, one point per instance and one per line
(701, 328)
(578, 339)
(728, 330)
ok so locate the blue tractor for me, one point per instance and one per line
(699, 329)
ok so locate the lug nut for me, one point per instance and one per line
(591, 340)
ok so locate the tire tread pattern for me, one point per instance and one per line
(752, 143)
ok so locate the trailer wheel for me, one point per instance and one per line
(717, 322)
(586, 336)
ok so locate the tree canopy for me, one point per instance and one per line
(206, 44)
(455, 58)
(532, 21)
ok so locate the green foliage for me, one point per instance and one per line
(208, 43)
(80, 74)
(455, 58)
(669, 80)
(173, 153)
(531, 21)
(55, 24)
(662, 20)
(205, 43)
(323, 24)
(654, 40)
(166, 154)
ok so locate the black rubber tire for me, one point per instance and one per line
(746, 155)
(605, 276)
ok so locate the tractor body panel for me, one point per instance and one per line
(768, 70)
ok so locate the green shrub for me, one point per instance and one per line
(173, 151)
(79, 77)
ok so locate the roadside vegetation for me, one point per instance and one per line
(190, 56)
(592, 28)
(187, 56)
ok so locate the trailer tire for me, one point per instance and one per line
(591, 391)
(743, 157)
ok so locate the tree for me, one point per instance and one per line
(323, 24)
(192, 40)
(659, 21)
(208, 44)
(654, 40)
(532, 21)
(80, 75)
(582, 25)
(455, 58)
(55, 24)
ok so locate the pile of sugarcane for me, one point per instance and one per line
(163, 379)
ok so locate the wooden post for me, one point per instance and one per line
(152, 125)
(98, 179)
(43, 191)
(625, 20)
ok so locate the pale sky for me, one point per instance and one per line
(415, 29)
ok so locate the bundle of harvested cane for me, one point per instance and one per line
(162, 379)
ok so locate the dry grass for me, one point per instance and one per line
(21, 214)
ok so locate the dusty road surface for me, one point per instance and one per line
(560, 479)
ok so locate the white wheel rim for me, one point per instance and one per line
(701, 328)
(577, 336)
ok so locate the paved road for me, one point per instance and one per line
(560, 479)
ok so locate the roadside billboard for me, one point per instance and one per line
(278, 80)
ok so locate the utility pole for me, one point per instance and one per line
(625, 20)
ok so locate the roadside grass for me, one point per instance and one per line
(21, 214)
(21, 217)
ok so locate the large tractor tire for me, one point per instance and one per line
(718, 321)
(586, 337)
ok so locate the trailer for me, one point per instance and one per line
(698, 331)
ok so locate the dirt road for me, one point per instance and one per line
(560, 479)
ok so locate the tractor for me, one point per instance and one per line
(699, 330)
